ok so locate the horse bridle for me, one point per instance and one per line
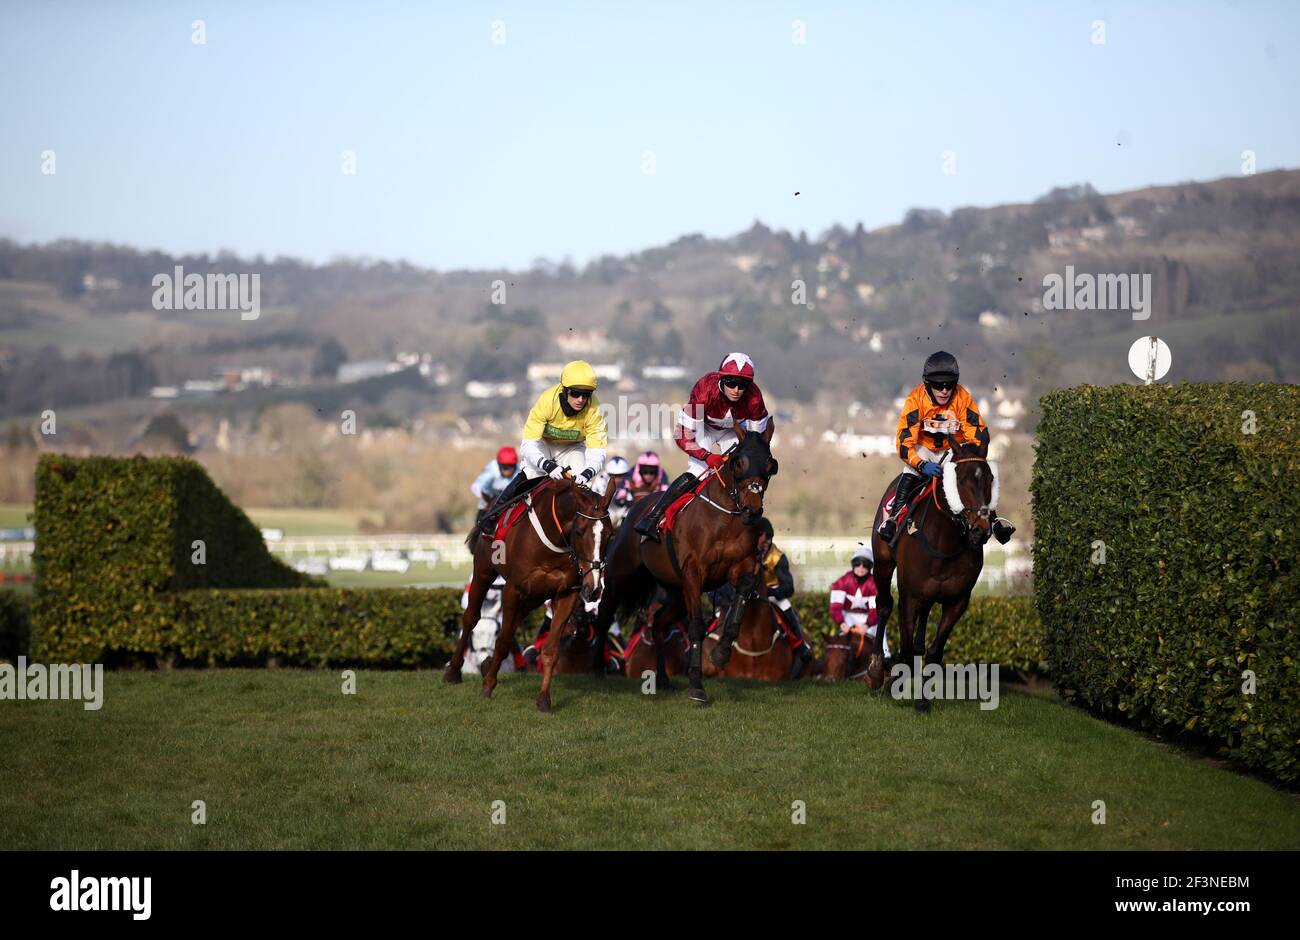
(595, 564)
(733, 492)
(984, 512)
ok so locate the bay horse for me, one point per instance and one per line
(557, 555)
(764, 653)
(658, 644)
(714, 541)
(938, 553)
(846, 656)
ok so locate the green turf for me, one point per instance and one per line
(14, 515)
(284, 760)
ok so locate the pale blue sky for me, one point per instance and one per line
(471, 154)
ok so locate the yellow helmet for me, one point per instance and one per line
(578, 374)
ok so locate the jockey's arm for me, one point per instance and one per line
(784, 580)
(971, 428)
(908, 434)
(530, 452)
(595, 437)
(837, 607)
(483, 479)
(684, 434)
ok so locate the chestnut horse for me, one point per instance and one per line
(713, 542)
(939, 553)
(554, 551)
(763, 651)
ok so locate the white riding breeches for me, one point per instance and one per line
(707, 437)
(571, 456)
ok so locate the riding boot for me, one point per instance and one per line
(649, 523)
(517, 485)
(1003, 530)
(907, 485)
(803, 652)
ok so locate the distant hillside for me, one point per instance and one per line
(77, 326)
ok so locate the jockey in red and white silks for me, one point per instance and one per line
(708, 420)
(853, 597)
(717, 402)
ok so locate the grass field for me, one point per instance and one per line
(284, 760)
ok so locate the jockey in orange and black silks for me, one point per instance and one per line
(937, 413)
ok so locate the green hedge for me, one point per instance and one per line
(114, 541)
(1003, 630)
(365, 627)
(114, 574)
(15, 625)
(1201, 579)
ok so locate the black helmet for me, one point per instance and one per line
(941, 367)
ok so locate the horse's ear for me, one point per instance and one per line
(740, 432)
(609, 495)
(773, 465)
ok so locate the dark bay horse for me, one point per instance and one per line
(662, 645)
(846, 656)
(714, 542)
(554, 551)
(938, 554)
(760, 651)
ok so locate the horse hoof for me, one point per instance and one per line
(698, 696)
(544, 704)
(923, 706)
(719, 656)
(486, 691)
(451, 676)
(875, 676)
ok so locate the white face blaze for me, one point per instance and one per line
(953, 496)
(600, 551)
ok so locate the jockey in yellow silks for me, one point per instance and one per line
(564, 431)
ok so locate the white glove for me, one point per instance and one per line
(557, 473)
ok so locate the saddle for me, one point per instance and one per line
(642, 635)
(516, 512)
(783, 626)
(922, 494)
(677, 505)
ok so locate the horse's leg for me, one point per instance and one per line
(735, 617)
(918, 646)
(510, 616)
(875, 677)
(691, 582)
(952, 612)
(563, 607)
(480, 584)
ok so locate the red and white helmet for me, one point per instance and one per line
(737, 364)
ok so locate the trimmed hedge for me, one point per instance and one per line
(365, 627)
(114, 575)
(1201, 578)
(15, 625)
(115, 540)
